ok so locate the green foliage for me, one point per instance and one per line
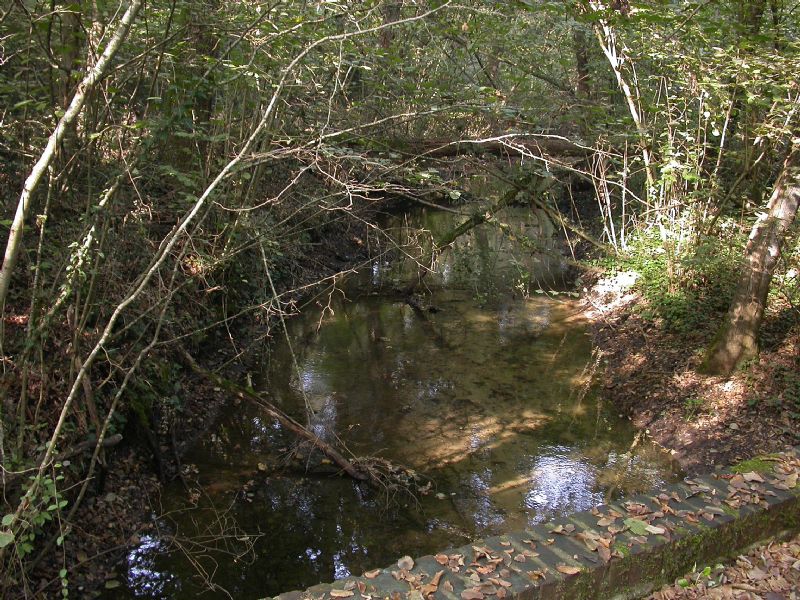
(717, 97)
(687, 293)
(692, 406)
(156, 392)
(759, 464)
(42, 510)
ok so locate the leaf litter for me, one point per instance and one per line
(768, 572)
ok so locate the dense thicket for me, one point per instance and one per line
(161, 172)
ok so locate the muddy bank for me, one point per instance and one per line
(705, 422)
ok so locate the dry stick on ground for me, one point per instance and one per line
(249, 395)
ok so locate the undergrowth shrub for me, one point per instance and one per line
(692, 293)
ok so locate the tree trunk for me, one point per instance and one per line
(751, 15)
(392, 11)
(607, 38)
(737, 339)
(581, 46)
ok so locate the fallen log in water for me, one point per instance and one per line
(250, 395)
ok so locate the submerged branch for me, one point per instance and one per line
(487, 215)
(288, 422)
(558, 217)
(381, 474)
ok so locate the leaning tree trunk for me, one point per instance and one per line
(93, 75)
(737, 339)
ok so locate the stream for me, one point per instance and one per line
(486, 392)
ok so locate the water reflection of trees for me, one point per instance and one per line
(481, 398)
(432, 412)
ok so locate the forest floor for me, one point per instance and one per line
(767, 572)
(706, 423)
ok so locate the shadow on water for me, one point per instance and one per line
(490, 397)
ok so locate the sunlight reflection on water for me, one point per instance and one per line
(560, 483)
(144, 578)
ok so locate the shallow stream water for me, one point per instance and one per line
(488, 395)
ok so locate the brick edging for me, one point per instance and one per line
(621, 550)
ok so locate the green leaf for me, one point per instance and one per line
(637, 526)
(7, 519)
(6, 537)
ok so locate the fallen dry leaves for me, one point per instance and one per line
(770, 572)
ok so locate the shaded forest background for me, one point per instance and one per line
(173, 171)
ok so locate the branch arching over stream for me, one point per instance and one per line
(488, 214)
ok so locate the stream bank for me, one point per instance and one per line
(484, 387)
(121, 508)
(705, 422)
(643, 365)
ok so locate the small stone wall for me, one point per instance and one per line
(620, 550)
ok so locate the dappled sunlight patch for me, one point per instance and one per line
(451, 444)
(16, 320)
(578, 410)
(633, 362)
(704, 421)
(481, 318)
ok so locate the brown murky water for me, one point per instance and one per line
(489, 397)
